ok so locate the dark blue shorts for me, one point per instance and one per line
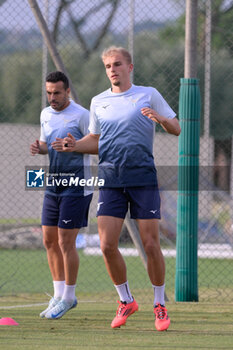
(66, 211)
(144, 202)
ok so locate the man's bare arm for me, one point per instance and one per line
(88, 144)
(172, 126)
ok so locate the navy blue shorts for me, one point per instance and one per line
(144, 202)
(65, 211)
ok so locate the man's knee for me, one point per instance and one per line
(66, 244)
(152, 247)
(108, 249)
(50, 237)
(49, 242)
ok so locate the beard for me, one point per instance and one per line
(116, 83)
(58, 105)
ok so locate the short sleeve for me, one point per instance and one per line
(42, 133)
(94, 126)
(84, 122)
(160, 105)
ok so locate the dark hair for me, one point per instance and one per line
(54, 77)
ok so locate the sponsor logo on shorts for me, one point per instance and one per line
(98, 205)
(153, 211)
(66, 221)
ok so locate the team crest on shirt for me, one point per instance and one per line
(134, 101)
(66, 121)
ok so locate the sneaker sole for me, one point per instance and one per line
(162, 329)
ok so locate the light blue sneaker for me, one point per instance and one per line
(52, 302)
(60, 309)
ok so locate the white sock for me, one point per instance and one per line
(58, 287)
(159, 292)
(124, 292)
(69, 293)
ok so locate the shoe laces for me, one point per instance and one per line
(160, 312)
(121, 307)
(53, 301)
(61, 305)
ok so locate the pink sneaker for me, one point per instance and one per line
(162, 321)
(124, 310)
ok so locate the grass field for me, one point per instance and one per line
(27, 272)
(193, 326)
(25, 279)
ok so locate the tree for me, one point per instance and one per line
(222, 33)
(78, 23)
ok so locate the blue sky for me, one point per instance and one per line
(16, 14)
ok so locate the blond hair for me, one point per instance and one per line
(113, 50)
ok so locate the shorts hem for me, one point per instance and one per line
(144, 218)
(42, 224)
(72, 228)
(115, 215)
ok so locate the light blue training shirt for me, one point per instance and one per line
(126, 136)
(73, 119)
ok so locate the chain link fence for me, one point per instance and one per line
(154, 32)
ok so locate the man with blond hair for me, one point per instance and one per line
(122, 131)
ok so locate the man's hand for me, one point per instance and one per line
(64, 145)
(38, 147)
(152, 114)
(35, 148)
(171, 125)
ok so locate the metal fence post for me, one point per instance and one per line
(188, 173)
